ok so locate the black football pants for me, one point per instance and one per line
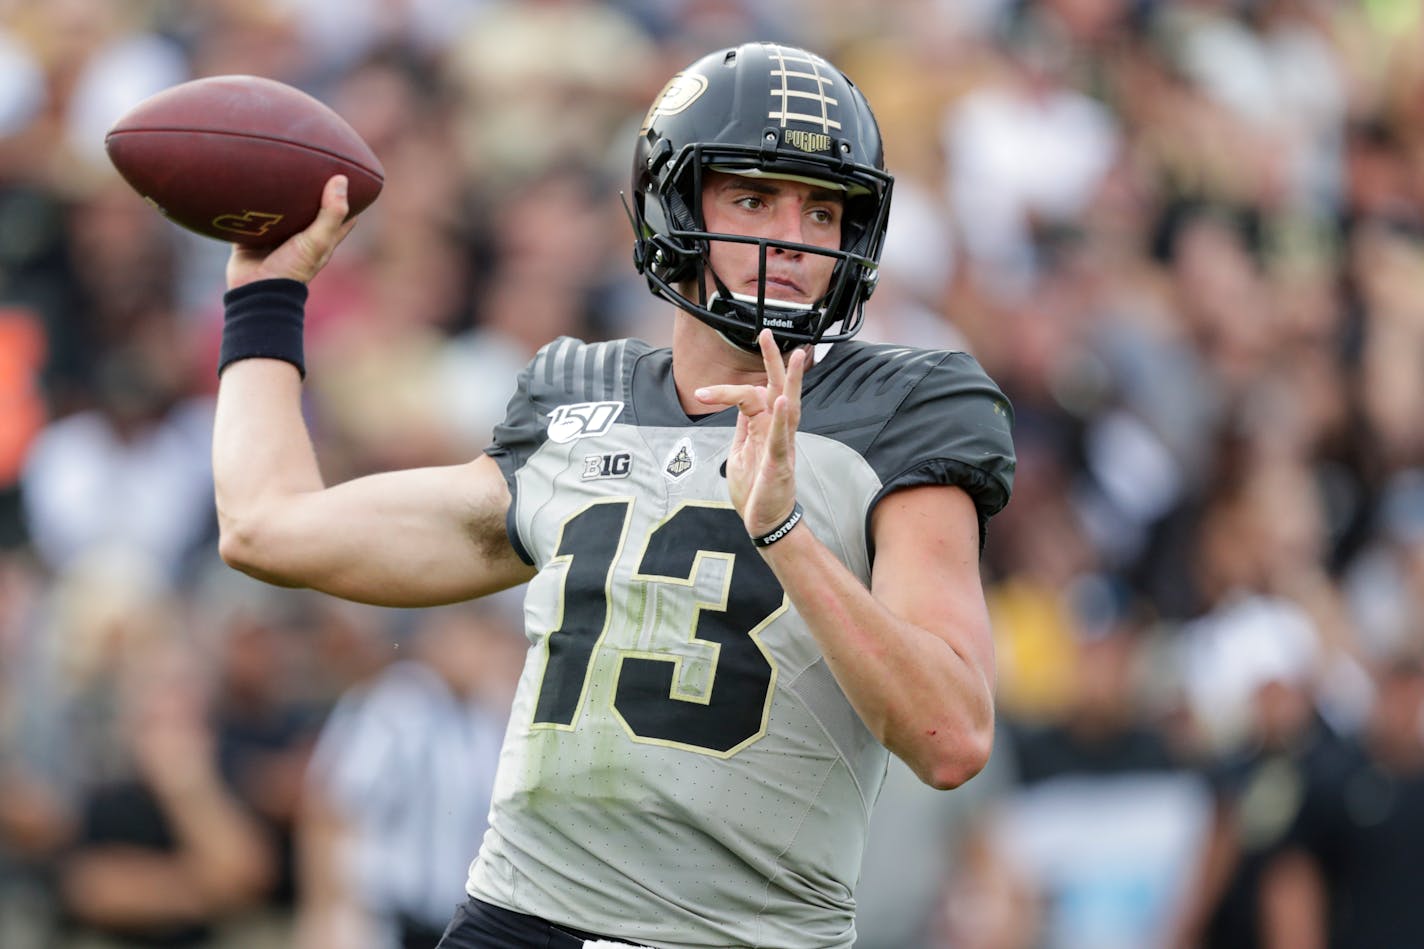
(479, 925)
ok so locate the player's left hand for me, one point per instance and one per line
(761, 468)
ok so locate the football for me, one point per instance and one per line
(240, 158)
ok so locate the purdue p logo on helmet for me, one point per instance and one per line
(759, 109)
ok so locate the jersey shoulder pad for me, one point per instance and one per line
(919, 417)
(570, 379)
(569, 388)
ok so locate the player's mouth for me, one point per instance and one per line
(781, 288)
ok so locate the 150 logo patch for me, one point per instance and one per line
(582, 419)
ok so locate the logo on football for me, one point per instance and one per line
(248, 223)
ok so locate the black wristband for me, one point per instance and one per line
(782, 529)
(263, 319)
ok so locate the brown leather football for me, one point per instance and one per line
(240, 158)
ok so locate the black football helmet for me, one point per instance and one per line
(774, 111)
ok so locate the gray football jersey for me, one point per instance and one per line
(681, 767)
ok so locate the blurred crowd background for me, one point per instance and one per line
(1185, 236)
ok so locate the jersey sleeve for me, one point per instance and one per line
(565, 372)
(953, 427)
(522, 431)
(515, 440)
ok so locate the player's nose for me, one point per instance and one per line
(788, 224)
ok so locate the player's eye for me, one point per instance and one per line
(751, 202)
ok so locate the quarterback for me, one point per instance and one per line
(753, 574)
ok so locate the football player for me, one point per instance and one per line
(752, 575)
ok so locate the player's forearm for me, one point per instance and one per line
(917, 695)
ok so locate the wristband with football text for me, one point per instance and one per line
(782, 529)
(263, 319)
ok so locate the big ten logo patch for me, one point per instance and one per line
(613, 464)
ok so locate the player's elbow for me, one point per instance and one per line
(237, 543)
(242, 546)
(952, 763)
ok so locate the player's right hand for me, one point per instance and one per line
(761, 465)
(302, 255)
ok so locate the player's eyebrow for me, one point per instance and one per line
(772, 187)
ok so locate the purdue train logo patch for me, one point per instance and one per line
(680, 462)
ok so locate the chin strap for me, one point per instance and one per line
(752, 301)
(752, 315)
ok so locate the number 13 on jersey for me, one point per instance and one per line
(731, 711)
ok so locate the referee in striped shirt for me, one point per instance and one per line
(399, 787)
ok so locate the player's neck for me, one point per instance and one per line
(701, 357)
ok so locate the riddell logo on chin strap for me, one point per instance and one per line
(248, 223)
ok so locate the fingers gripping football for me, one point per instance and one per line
(303, 254)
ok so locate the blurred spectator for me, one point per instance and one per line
(35, 820)
(546, 82)
(340, 33)
(1274, 68)
(164, 853)
(95, 60)
(399, 792)
(265, 722)
(1035, 630)
(1385, 585)
(1352, 875)
(1260, 781)
(132, 473)
(1096, 841)
(1247, 644)
(1024, 151)
(545, 282)
(233, 37)
(1386, 261)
